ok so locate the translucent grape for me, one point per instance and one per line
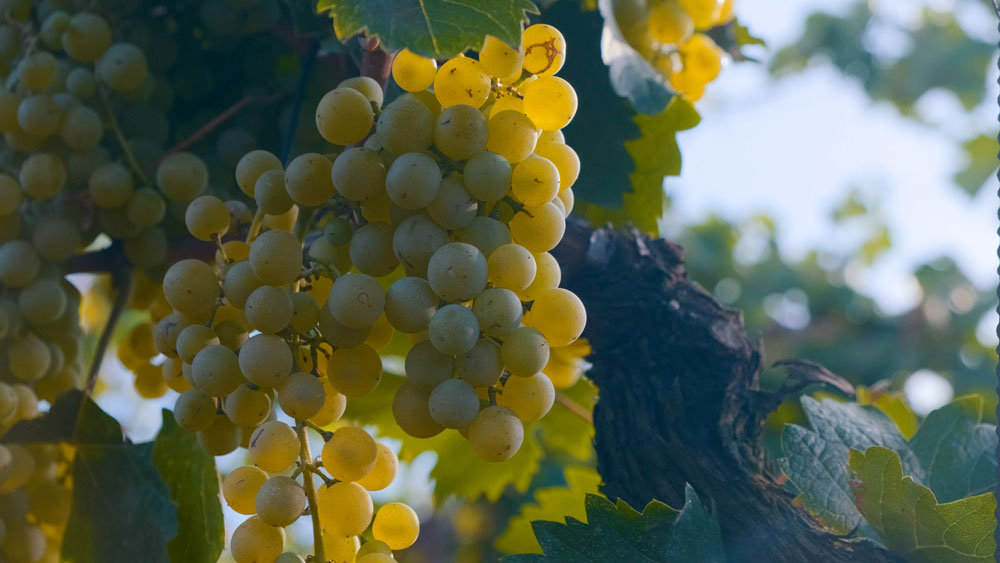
(559, 315)
(344, 116)
(240, 487)
(254, 541)
(512, 267)
(535, 180)
(529, 397)
(247, 406)
(345, 509)
(544, 49)
(382, 475)
(368, 86)
(349, 454)
(37, 70)
(273, 446)
(461, 81)
(496, 433)
(499, 59)
(669, 23)
(397, 525)
(539, 229)
(28, 358)
(413, 72)
(550, 102)
(565, 159)
(702, 12)
(512, 135)
(305, 312)
(333, 407)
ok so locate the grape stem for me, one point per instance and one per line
(574, 407)
(305, 457)
(375, 62)
(126, 148)
(121, 277)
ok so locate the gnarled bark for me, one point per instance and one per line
(680, 402)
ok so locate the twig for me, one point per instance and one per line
(122, 278)
(305, 457)
(574, 407)
(126, 148)
(300, 92)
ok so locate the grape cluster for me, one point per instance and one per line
(673, 41)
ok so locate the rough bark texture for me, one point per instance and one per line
(680, 401)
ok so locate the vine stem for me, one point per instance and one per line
(574, 407)
(126, 148)
(305, 457)
(122, 278)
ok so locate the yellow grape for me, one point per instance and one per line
(550, 102)
(265, 360)
(496, 433)
(349, 454)
(559, 315)
(565, 159)
(529, 397)
(345, 509)
(308, 179)
(544, 49)
(460, 132)
(240, 487)
(333, 407)
(251, 166)
(524, 352)
(461, 80)
(566, 364)
(206, 217)
(669, 23)
(702, 12)
(535, 180)
(280, 501)
(256, 542)
(367, 86)
(301, 395)
(344, 116)
(397, 525)
(512, 135)
(354, 371)
(539, 229)
(499, 59)
(413, 72)
(381, 476)
(702, 57)
(221, 437)
(274, 446)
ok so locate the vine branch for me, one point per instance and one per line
(121, 277)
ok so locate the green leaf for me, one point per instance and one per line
(743, 36)
(894, 405)
(189, 472)
(632, 76)
(563, 431)
(655, 155)
(617, 532)
(957, 450)
(552, 504)
(980, 163)
(122, 510)
(909, 519)
(432, 28)
(307, 20)
(73, 418)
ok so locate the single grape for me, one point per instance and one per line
(550, 102)
(191, 287)
(460, 132)
(404, 126)
(457, 272)
(254, 541)
(349, 454)
(42, 176)
(409, 304)
(410, 411)
(182, 176)
(305, 312)
(240, 487)
(544, 49)
(336, 333)
(87, 37)
(413, 180)
(461, 80)
(37, 70)
(512, 135)
(239, 282)
(216, 370)
(307, 178)
(565, 159)
(499, 59)
(42, 301)
(486, 234)
(146, 207)
(251, 166)
(122, 67)
(358, 174)
(344, 116)
(356, 300)
(247, 406)
(481, 366)
(669, 23)
(539, 229)
(525, 352)
(413, 72)
(265, 360)
(453, 403)
(487, 176)
(559, 315)
(496, 433)
(382, 475)
(280, 501)
(415, 240)
(453, 207)
(498, 311)
(268, 309)
(529, 397)
(397, 525)
(274, 446)
(221, 437)
(81, 128)
(453, 330)
(301, 396)
(276, 257)
(371, 250)
(345, 509)
(207, 216)
(535, 180)
(192, 339)
(355, 371)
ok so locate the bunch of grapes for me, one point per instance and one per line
(675, 43)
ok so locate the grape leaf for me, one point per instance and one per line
(909, 519)
(432, 28)
(73, 418)
(957, 450)
(980, 163)
(563, 431)
(189, 472)
(552, 504)
(632, 76)
(617, 532)
(894, 406)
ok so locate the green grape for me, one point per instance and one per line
(496, 433)
(23, 468)
(415, 240)
(413, 180)
(547, 276)
(535, 180)
(122, 67)
(39, 116)
(461, 80)
(191, 287)
(19, 263)
(247, 407)
(529, 397)
(42, 302)
(499, 59)
(426, 367)
(368, 87)
(559, 315)
(254, 541)
(333, 407)
(221, 437)
(382, 475)
(539, 229)
(453, 404)
(409, 304)
(405, 126)
(146, 207)
(487, 176)
(276, 257)
(56, 238)
(356, 300)
(27, 402)
(358, 174)
(239, 283)
(194, 410)
(544, 49)
(280, 501)
(565, 159)
(182, 176)
(354, 372)
(410, 411)
(486, 234)
(10, 195)
(265, 360)
(397, 525)
(250, 168)
(344, 116)
(525, 352)
(457, 272)
(81, 129)
(273, 446)
(86, 38)
(512, 267)
(453, 207)
(481, 366)
(307, 178)
(207, 216)
(550, 102)
(216, 370)
(305, 312)
(37, 70)
(453, 330)
(460, 132)
(345, 509)
(511, 135)
(10, 102)
(498, 311)
(289, 557)
(349, 454)
(28, 358)
(52, 29)
(240, 487)
(268, 309)
(192, 339)
(42, 176)
(413, 72)
(371, 250)
(337, 334)
(301, 396)
(8, 407)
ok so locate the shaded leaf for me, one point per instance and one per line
(552, 504)
(632, 76)
(909, 519)
(73, 418)
(957, 451)
(980, 163)
(432, 28)
(894, 406)
(190, 475)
